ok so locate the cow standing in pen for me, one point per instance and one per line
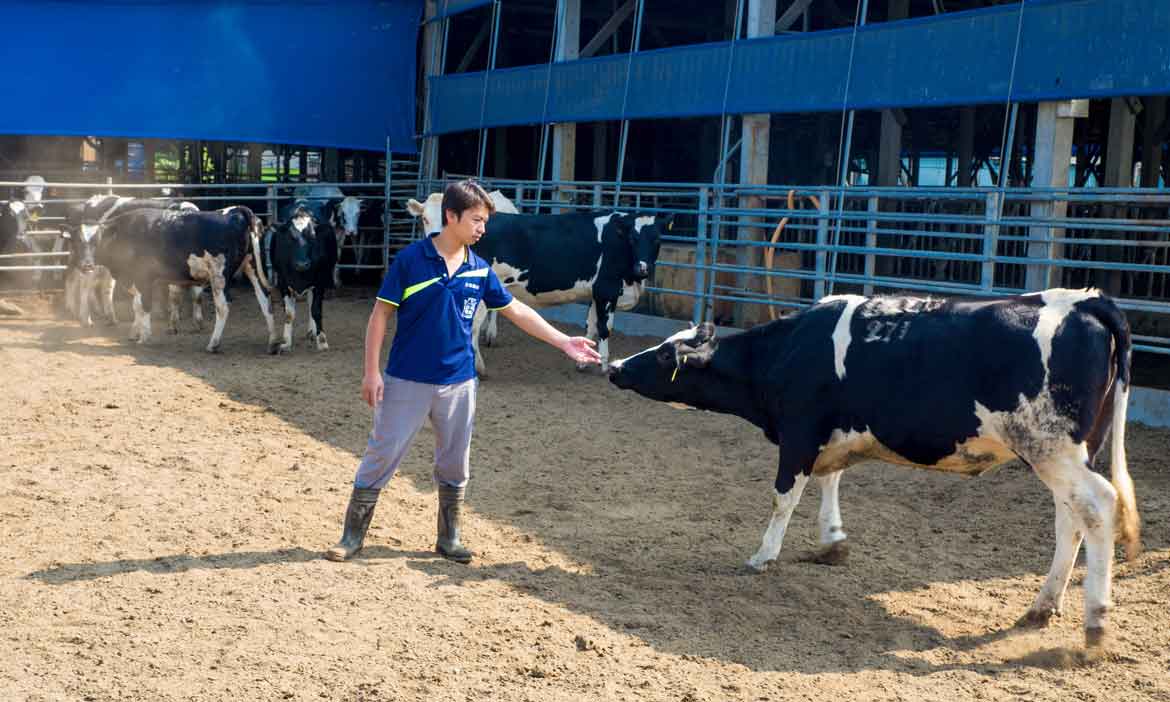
(300, 259)
(956, 385)
(144, 247)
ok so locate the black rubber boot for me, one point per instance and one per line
(357, 521)
(448, 545)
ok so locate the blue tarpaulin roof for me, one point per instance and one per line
(334, 74)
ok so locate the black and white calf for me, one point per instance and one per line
(329, 204)
(143, 247)
(956, 385)
(14, 219)
(300, 258)
(600, 258)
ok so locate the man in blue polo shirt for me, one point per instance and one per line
(434, 286)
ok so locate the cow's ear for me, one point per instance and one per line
(414, 207)
(667, 356)
(706, 332)
(696, 356)
(667, 222)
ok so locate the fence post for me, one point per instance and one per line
(871, 244)
(271, 205)
(991, 209)
(822, 245)
(701, 259)
(597, 196)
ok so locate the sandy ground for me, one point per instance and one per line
(163, 510)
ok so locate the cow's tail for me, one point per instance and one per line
(254, 236)
(1128, 521)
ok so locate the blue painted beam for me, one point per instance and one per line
(1068, 49)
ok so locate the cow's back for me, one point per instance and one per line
(547, 252)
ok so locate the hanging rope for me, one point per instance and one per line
(770, 252)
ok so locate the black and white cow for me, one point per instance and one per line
(143, 247)
(87, 282)
(300, 258)
(329, 204)
(14, 221)
(956, 385)
(602, 258)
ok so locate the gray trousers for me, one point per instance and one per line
(405, 406)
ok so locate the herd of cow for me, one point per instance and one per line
(947, 384)
(602, 258)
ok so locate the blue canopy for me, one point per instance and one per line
(333, 74)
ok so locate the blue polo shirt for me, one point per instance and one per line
(433, 340)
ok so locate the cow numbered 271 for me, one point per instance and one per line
(955, 385)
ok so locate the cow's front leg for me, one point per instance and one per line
(105, 286)
(72, 284)
(788, 488)
(604, 319)
(84, 292)
(476, 325)
(316, 328)
(493, 330)
(219, 297)
(336, 268)
(590, 329)
(290, 315)
(174, 300)
(143, 304)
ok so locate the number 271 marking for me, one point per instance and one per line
(886, 332)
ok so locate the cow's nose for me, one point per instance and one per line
(613, 371)
(87, 268)
(642, 269)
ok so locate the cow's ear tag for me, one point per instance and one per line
(670, 226)
(674, 374)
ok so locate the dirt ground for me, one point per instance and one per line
(163, 512)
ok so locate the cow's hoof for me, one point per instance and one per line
(1037, 618)
(756, 564)
(274, 348)
(1096, 643)
(172, 330)
(214, 349)
(109, 322)
(285, 348)
(835, 553)
(197, 327)
(489, 341)
(322, 342)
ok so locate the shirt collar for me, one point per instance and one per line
(430, 251)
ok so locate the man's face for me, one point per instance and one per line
(469, 227)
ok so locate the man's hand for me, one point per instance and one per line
(580, 349)
(372, 387)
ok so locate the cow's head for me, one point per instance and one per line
(671, 371)
(348, 212)
(84, 240)
(302, 226)
(645, 241)
(429, 213)
(33, 192)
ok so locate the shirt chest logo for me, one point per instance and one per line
(469, 307)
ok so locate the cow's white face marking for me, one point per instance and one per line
(16, 207)
(1057, 305)
(300, 223)
(34, 187)
(501, 203)
(89, 231)
(188, 207)
(350, 208)
(684, 335)
(842, 336)
(640, 222)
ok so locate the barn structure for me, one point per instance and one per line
(807, 147)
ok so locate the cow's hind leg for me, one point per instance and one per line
(1090, 502)
(784, 501)
(219, 296)
(1050, 599)
(316, 327)
(140, 327)
(197, 307)
(834, 548)
(105, 286)
(265, 305)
